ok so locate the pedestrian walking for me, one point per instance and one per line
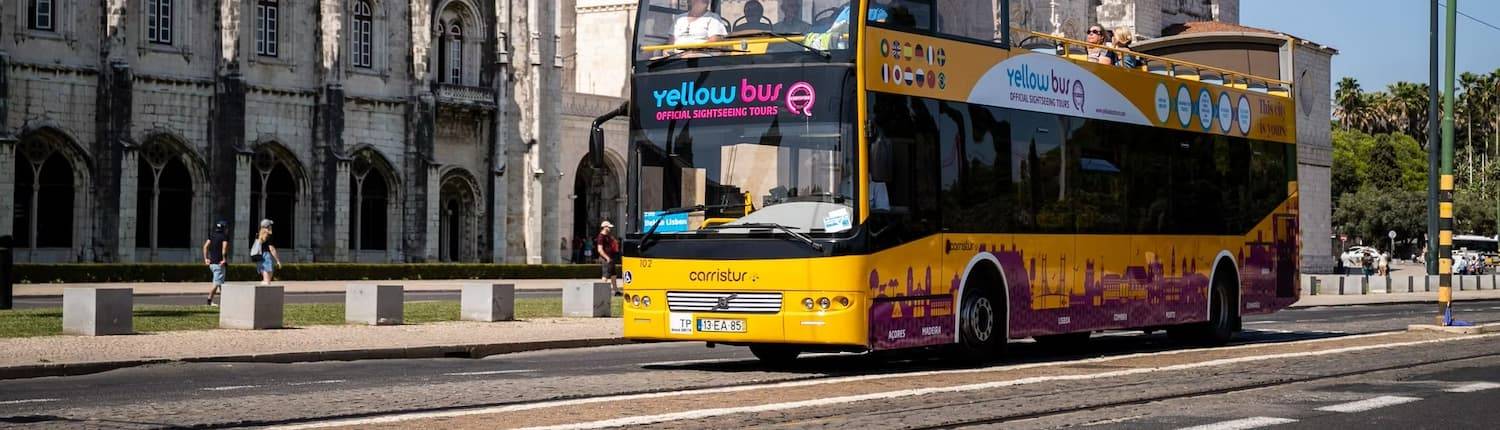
(609, 252)
(263, 253)
(1385, 264)
(214, 251)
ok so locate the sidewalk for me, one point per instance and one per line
(1381, 297)
(296, 287)
(72, 355)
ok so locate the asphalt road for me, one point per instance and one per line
(231, 394)
(198, 299)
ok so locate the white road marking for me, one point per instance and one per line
(1261, 322)
(24, 401)
(641, 420)
(1244, 423)
(328, 381)
(1368, 404)
(700, 361)
(489, 372)
(231, 387)
(1469, 388)
(731, 360)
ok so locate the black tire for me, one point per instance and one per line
(982, 321)
(1223, 319)
(1065, 341)
(775, 355)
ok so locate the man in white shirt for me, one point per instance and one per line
(698, 25)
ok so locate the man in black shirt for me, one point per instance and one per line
(214, 251)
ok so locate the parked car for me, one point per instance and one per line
(1354, 257)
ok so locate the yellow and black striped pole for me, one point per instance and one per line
(1445, 186)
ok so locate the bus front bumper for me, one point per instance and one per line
(839, 325)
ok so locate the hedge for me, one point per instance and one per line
(156, 272)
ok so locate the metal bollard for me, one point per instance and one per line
(1364, 285)
(7, 272)
(1341, 285)
(1315, 284)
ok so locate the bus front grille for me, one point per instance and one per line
(759, 303)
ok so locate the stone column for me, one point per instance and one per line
(340, 231)
(330, 198)
(430, 196)
(7, 180)
(418, 159)
(239, 195)
(130, 179)
(112, 135)
(549, 107)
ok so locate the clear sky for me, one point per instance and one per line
(1381, 41)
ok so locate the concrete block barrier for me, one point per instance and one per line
(1379, 284)
(590, 300)
(252, 307)
(488, 302)
(98, 311)
(374, 304)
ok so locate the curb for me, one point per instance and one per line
(455, 351)
(295, 293)
(1412, 302)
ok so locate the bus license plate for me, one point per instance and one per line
(729, 326)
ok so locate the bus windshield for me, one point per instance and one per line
(690, 28)
(797, 174)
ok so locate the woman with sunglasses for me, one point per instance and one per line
(1097, 37)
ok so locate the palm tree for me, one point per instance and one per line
(1469, 102)
(1409, 109)
(1349, 104)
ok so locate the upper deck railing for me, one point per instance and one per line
(1077, 50)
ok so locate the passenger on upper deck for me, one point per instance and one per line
(698, 25)
(791, 18)
(1123, 39)
(754, 18)
(1096, 37)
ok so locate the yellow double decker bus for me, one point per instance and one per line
(877, 175)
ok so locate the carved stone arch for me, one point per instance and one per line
(375, 205)
(460, 209)
(170, 191)
(279, 190)
(459, 47)
(42, 192)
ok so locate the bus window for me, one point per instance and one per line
(1098, 160)
(1039, 172)
(903, 14)
(973, 19)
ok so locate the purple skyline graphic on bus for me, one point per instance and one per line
(1168, 290)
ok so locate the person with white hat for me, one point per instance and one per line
(263, 253)
(608, 250)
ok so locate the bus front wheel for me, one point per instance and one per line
(776, 355)
(981, 323)
(1223, 320)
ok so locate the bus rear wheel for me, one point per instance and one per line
(775, 355)
(1223, 320)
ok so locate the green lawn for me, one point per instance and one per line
(48, 321)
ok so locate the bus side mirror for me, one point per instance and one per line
(596, 146)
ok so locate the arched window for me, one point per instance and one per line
(273, 194)
(361, 35)
(369, 200)
(45, 190)
(164, 198)
(43, 15)
(267, 27)
(455, 52)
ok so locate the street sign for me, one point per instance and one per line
(1392, 234)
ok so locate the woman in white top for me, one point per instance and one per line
(698, 25)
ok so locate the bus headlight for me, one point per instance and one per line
(807, 303)
(646, 301)
(824, 303)
(636, 301)
(843, 301)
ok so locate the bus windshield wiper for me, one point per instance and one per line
(788, 230)
(787, 37)
(662, 215)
